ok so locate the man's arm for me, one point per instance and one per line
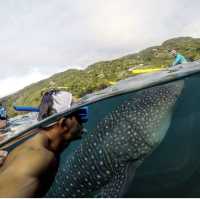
(23, 167)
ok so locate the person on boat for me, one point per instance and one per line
(3, 113)
(54, 100)
(36, 159)
(3, 116)
(179, 59)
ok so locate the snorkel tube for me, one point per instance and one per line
(26, 108)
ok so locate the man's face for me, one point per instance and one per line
(74, 128)
(64, 131)
(173, 53)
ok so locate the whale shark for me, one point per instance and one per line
(106, 160)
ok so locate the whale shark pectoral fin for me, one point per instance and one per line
(114, 187)
(118, 185)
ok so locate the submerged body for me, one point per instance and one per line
(107, 158)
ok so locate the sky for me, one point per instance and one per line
(39, 38)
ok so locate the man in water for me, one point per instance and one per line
(24, 168)
(179, 59)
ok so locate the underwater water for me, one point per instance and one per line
(173, 168)
(140, 144)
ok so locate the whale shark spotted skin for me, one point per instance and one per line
(109, 155)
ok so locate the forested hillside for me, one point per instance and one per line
(99, 75)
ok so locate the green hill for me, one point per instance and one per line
(98, 75)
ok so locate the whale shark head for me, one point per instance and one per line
(109, 155)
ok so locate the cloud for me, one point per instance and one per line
(51, 36)
(11, 84)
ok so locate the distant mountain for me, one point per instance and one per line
(99, 75)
